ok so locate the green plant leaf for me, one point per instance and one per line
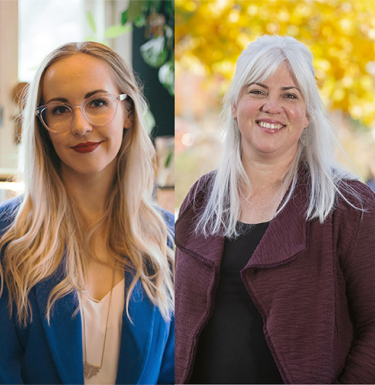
(169, 158)
(135, 9)
(169, 35)
(116, 30)
(91, 21)
(149, 120)
(166, 76)
(154, 52)
(169, 8)
(124, 17)
(154, 5)
(140, 21)
(168, 31)
(158, 50)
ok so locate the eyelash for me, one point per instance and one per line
(287, 95)
(256, 92)
(102, 102)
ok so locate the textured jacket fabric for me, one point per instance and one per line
(313, 284)
(52, 354)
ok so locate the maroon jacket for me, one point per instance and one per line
(313, 284)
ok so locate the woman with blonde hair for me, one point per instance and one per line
(86, 269)
(275, 258)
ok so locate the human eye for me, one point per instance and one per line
(289, 95)
(256, 92)
(99, 102)
(58, 110)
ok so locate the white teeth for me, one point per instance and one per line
(270, 125)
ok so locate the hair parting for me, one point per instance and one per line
(49, 235)
(327, 178)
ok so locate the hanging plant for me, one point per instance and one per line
(110, 33)
(157, 17)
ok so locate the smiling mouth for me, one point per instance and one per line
(271, 126)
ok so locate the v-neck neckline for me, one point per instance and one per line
(96, 301)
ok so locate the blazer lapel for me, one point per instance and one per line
(209, 250)
(64, 333)
(136, 336)
(286, 235)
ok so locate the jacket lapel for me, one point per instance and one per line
(136, 336)
(64, 334)
(209, 250)
(286, 236)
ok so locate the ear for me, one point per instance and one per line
(234, 110)
(128, 120)
(307, 121)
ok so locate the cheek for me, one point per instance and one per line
(57, 142)
(118, 143)
(115, 136)
(247, 110)
(298, 117)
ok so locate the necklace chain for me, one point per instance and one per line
(91, 370)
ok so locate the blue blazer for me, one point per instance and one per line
(52, 354)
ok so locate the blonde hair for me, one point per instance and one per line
(48, 229)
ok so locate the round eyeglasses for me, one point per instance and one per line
(98, 110)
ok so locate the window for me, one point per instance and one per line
(43, 26)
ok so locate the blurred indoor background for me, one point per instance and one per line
(211, 34)
(142, 32)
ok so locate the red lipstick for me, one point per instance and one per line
(84, 148)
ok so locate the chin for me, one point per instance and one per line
(269, 149)
(85, 169)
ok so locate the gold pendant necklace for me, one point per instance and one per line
(90, 370)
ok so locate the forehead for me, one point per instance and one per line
(76, 75)
(282, 76)
(277, 77)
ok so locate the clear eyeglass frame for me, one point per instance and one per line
(40, 109)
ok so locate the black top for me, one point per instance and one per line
(232, 348)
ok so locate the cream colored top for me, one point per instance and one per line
(95, 317)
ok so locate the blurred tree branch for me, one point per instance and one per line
(340, 34)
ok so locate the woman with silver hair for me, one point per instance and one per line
(276, 248)
(87, 292)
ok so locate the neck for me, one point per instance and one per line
(90, 192)
(260, 199)
(267, 173)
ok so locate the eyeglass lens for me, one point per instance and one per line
(98, 111)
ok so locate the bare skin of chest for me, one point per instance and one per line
(261, 206)
(99, 273)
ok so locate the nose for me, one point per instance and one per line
(80, 125)
(272, 105)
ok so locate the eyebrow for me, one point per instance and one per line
(282, 88)
(88, 95)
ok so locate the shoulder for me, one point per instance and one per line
(8, 211)
(354, 216)
(198, 192)
(168, 218)
(355, 195)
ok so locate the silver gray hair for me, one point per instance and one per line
(255, 64)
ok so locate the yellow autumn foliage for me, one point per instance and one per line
(210, 35)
